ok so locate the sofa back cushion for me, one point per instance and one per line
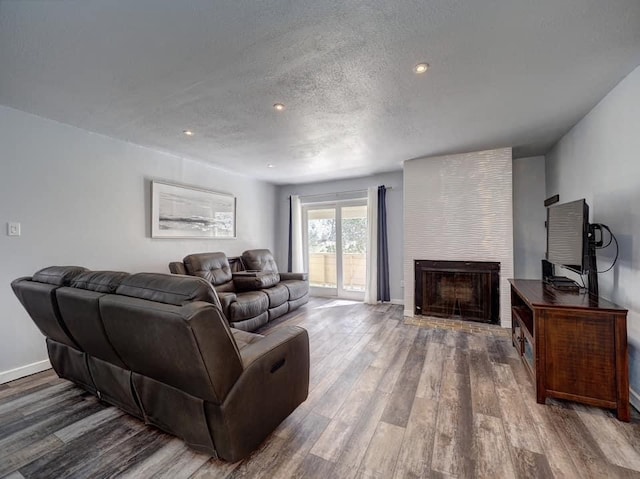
(260, 260)
(58, 275)
(99, 281)
(188, 347)
(80, 309)
(38, 296)
(167, 288)
(214, 267)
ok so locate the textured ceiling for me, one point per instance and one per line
(503, 73)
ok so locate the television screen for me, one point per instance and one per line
(567, 235)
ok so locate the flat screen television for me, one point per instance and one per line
(568, 235)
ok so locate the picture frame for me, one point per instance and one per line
(181, 211)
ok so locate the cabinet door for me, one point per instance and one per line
(580, 354)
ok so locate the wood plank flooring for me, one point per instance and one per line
(387, 400)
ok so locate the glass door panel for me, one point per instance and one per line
(321, 234)
(354, 247)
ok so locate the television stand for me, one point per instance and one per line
(573, 345)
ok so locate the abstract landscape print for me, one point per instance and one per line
(179, 211)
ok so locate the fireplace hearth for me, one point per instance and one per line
(466, 290)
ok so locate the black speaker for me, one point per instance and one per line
(547, 270)
(552, 200)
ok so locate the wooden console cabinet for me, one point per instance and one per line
(574, 345)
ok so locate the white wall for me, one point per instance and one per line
(84, 199)
(529, 215)
(394, 217)
(599, 159)
(460, 207)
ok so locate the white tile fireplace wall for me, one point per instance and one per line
(459, 207)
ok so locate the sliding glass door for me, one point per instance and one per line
(321, 249)
(335, 238)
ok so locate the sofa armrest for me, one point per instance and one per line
(276, 346)
(177, 267)
(275, 380)
(226, 299)
(298, 276)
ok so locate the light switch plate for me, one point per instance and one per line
(13, 229)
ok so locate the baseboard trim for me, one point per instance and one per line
(22, 371)
(634, 399)
(408, 313)
(397, 301)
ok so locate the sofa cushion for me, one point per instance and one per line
(278, 311)
(99, 281)
(251, 324)
(260, 260)
(247, 305)
(214, 267)
(189, 347)
(80, 309)
(278, 294)
(167, 288)
(58, 275)
(296, 303)
(225, 300)
(297, 289)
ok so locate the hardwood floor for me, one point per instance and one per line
(387, 400)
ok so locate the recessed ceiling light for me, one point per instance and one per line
(188, 132)
(421, 67)
(279, 106)
(270, 165)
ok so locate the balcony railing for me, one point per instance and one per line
(323, 272)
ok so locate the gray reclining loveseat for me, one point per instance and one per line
(252, 291)
(158, 347)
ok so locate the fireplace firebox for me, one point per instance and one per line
(468, 290)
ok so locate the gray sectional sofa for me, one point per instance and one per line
(252, 291)
(158, 347)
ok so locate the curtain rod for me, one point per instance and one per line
(337, 193)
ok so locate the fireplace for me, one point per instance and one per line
(458, 289)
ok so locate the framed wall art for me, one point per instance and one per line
(179, 211)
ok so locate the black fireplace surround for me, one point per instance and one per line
(468, 290)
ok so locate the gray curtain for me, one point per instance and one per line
(290, 252)
(383, 250)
